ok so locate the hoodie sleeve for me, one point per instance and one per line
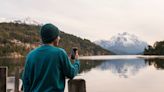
(70, 70)
(26, 77)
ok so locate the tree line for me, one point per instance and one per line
(156, 49)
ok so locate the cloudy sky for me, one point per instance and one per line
(94, 19)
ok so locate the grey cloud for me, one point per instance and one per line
(85, 18)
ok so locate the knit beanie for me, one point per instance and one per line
(49, 32)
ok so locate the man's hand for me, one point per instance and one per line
(76, 55)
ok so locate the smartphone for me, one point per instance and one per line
(73, 52)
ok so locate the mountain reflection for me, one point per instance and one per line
(123, 68)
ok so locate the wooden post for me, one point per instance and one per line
(17, 80)
(76, 85)
(3, 79)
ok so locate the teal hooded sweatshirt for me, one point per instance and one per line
(46, 68)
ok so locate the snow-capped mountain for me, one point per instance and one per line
(123, 43)
(27, 20)
(4, 20)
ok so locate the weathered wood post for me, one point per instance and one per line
(17, 80)
(3, 78)
(76, 85)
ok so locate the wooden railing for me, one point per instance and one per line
(3, 79)
(74, 85)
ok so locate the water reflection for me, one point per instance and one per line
(129, 75)
(12, 64)
(114, 75)
(122, 68)
(157, 63)
(87, 65)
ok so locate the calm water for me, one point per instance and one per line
(114, 75)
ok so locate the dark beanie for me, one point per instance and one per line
(49, 32)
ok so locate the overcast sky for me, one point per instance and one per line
(94, 19)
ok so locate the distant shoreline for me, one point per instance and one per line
(11, 57)
(111, 57)
(104, 57)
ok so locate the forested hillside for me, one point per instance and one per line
(18, 39)
(156, 49)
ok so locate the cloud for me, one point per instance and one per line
(94, 19)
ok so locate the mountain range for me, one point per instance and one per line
(124, 43)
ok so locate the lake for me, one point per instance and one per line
(114, 73)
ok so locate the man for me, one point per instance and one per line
(47, 66)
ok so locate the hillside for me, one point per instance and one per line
(18, 39)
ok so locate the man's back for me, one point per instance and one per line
(46, 68)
